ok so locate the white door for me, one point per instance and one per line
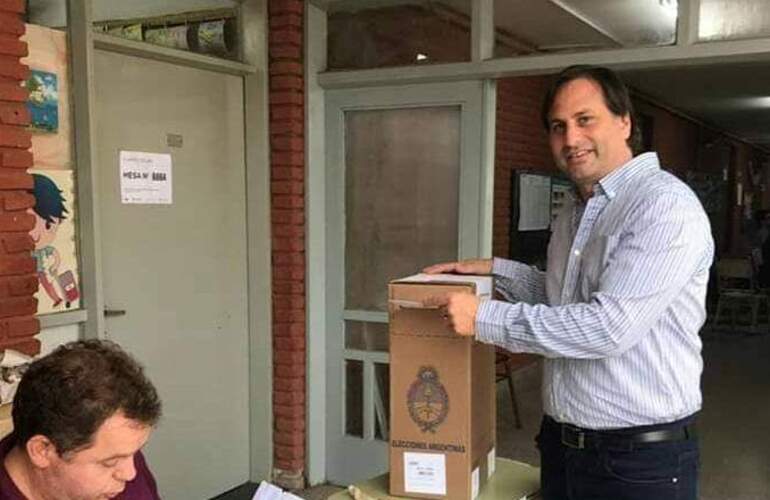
(179, 270)
(405, 189)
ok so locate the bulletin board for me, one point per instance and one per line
(536, 198)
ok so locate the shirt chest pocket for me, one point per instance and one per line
(595, 258)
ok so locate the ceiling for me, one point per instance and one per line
(734, 98)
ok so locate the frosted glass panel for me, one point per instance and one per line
(731, 19)
(365, 336)
(401, 197)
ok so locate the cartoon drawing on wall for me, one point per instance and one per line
(43, 102)
(53, 236)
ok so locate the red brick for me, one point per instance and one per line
(19, 221)
(290, 371)
(18, 286)
(17, 264)
(289, 398)
(290, 358)
(288, 384)
(20, 327)
(283, 452)
(12, 46)
(288, 216)
(285, 52)
(289, 244)
(14, 6)
(286, 68)
(288, 316)
(29, 346)
(287, 187)
(10, 67)
(278, 97)
(289, 465)
(288, 36)
(17, 306)
(288, 302)
(15, 158)
(289, 425)
(16, 180)
(15, 137)
(276, 7)
(279, 201)
(290, 330)
(289, 411)
(12, 91)
(18, 200)
(287, 127)
(282, 112)
(287, 143)
(284, 258)
(290, 159)
(17, 242)
(295, 272)
(289, 288)
(288, 344)
(14, 113)
(288, 231)
(285, 21)
(289, 438)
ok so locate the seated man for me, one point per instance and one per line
(80, 416)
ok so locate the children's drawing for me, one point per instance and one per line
(53, 236)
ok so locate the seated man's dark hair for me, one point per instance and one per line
(67, 395)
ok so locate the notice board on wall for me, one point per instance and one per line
(536, 198)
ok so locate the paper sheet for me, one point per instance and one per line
(534, 202)
(425, 473)
(483, 283)
(145, 178)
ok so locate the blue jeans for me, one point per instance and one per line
(650, 471)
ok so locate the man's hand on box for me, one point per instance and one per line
(468, 266)
(459, 309)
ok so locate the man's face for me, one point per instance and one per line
(587, 140)
(102, 470)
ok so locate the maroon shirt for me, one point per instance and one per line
(142, 487)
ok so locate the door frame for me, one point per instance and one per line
(476, 100)
(82, 43)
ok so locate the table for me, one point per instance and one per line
(511, 481)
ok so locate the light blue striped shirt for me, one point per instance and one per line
(618, 311)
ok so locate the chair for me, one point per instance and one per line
(506, 364)
(738, 292)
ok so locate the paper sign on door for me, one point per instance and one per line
(145, 178)
(425, 473)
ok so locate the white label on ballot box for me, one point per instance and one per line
(425, 473)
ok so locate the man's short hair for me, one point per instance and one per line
(616, 96)
(67, 395)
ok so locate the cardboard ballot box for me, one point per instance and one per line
(442, 394)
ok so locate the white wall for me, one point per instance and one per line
(51, 338)
(53, 12)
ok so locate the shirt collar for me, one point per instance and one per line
(613, 182)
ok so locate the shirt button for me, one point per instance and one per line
(577, 253)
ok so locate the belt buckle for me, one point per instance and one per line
(578, 443)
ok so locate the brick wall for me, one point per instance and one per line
(287, 159)
(18, 281)
(520, 143)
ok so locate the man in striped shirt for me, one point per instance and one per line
(617, 313)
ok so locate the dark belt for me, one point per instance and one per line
(575, 437)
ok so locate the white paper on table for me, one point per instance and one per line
(491, 457)
(475, 483)
(534, 202)
(425, 473)
(267, 491)
(145, 178)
